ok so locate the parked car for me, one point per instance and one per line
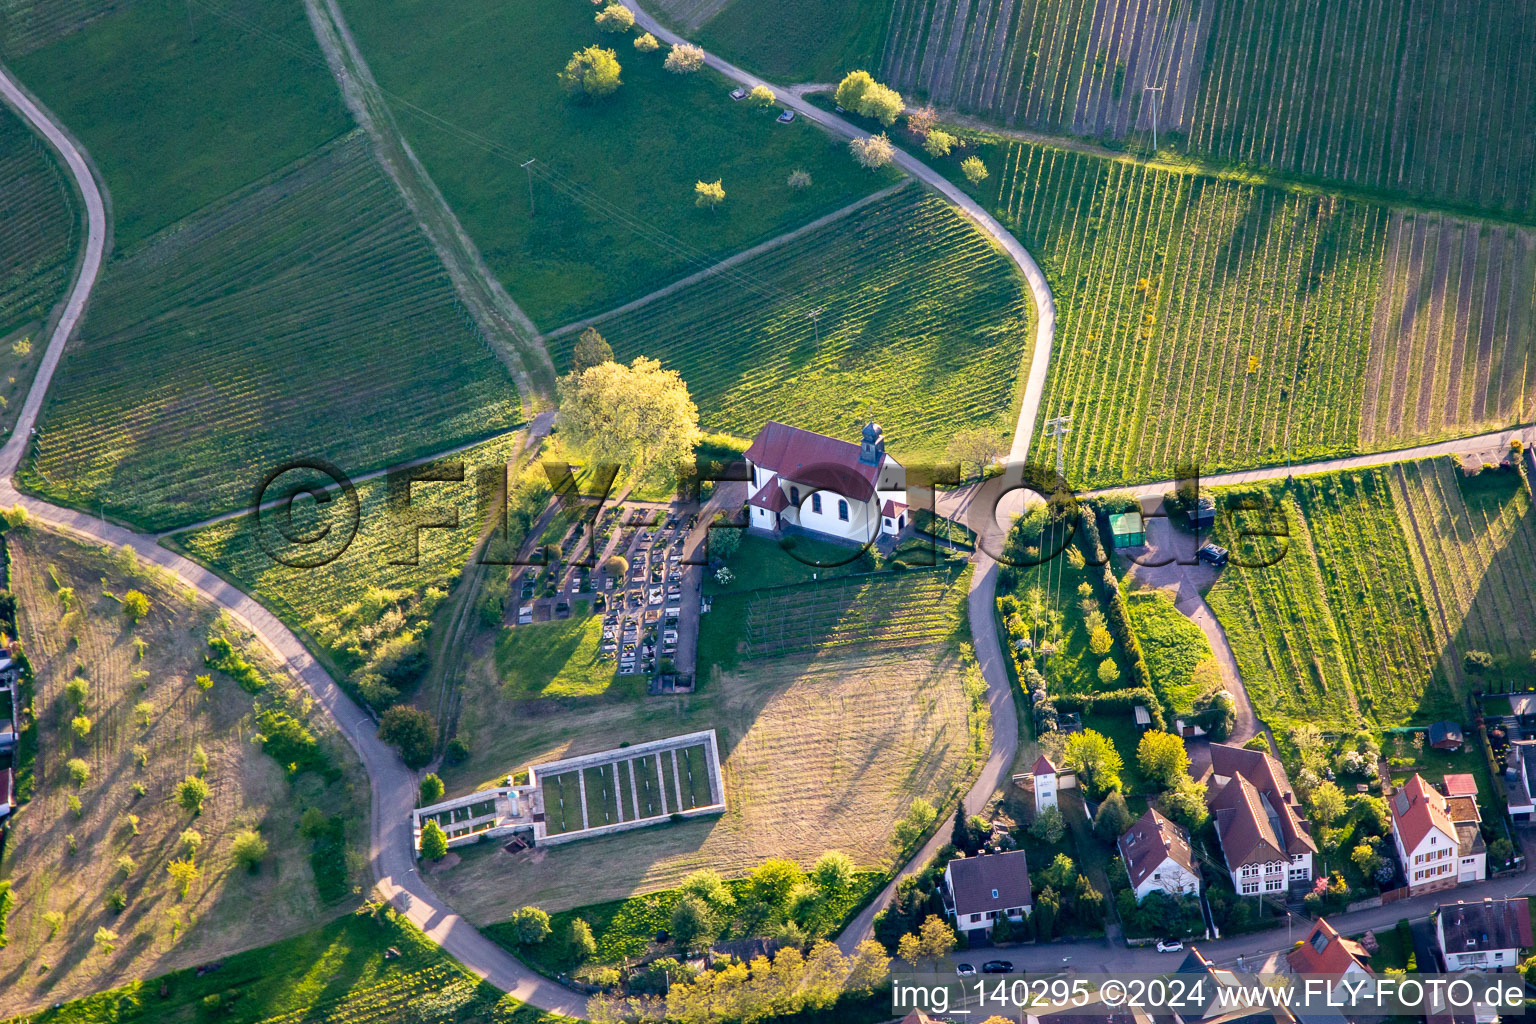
(738, 93)
(1170, 946)
(1212, 555)
(965, 970)
(786, 117)
(997, 967)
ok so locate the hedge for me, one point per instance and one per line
(1115, 700)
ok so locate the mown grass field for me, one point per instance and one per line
(613, 180)
(147, 723)
(921, 320)
(1172, 645)
(1335, 631)
(1425, 98)
(822, 749)
(1473, 544)
(305, 318)
(175, 122)
(1229, 325)
(38, 228)
(343, 972)
(356, 607)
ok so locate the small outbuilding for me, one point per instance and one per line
(1445, 736)
(1126, 530)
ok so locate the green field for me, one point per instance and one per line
(1426, 98)
(922, 323)
(1231, 325)
(560, 659)
(193, 347)
(38, 228)
(613, 183)
(173, 123)
(1335, 631)
(367, 610)
(791, 40)
(1473, 543)
(361, 969)
(1172, 644)
(562, 803)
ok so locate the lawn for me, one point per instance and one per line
(175, 123)
(38, 231)
(614, 214)
(919, 321)
(1046, 605)
(797, 40)
(1335, 631)
(1172, 644)
(148, 725)
(1334, 336)
(364, 968)
(370, 606)
(191, 347)
(822, 749)
(560, 659)
(1473, 543)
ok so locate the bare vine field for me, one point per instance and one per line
(38, 226)
(921, 320)
(1335, 630)
(306, 318)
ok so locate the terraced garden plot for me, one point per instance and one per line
(1428, 97)
(1076, 66)
(176, 124)
(889, 609)
(922, 319)
(613, 181)
(602, 796)
(1473, 543)
(562, 803)
(1453, 343)
(1335, 631)
(38, 227)
(648, 785)
(307, 318)
(693, 777)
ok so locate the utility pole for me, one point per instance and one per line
(528, 166)
(1059, 428)
(1159, 90)
(816, 323)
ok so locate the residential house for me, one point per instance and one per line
(1326, 954)
(1222, 998)
(1520, 780)
(1045, 784)
(1158, 857)
(981, 889)
(7, 791)
(1438, 839)
(8, 717)
(1267, 844)
(1483, 936)
(808, 481)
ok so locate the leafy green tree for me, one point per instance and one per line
(850, 91)
(772, 881)
(1162, 757)
(79, 771)
(1366, 859)
(873, 152)
(938, 143)
(1185, 804)
(1100, 641)
(78, 691)
(248, 849)
(708, 886)
(1094, 758)
(530, 926)
(684, 59)
(974, 170)
(592, 349)
(1216, 714)
(798, 180)
(614, 18)
(1113, 819)
(105, 940)
(135, 605)
(694, 925)
(833, 874)
(1049, 826)
(579, 943)
(434, 841)
(1043, 917)
(591, 74)
(191, 841)
(708, 194)
(646, 43)
(761, 97)
(431, 789)
(975, 449)
(638, 417)
(80, 725)
(1327, 803)
(1108, 673)
(410, 730)
(191, 794)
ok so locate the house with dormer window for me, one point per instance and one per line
(979, 890)
(1438, 838)
(802, 480)
(1268, 846)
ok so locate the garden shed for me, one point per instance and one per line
(1445, 736)
(1126, 530)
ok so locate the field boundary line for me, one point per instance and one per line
(729, 262)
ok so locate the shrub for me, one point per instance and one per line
(434, 841)
(410, 730)
(79, 771)
(761, 97)
(80, 725)
(800, 181)
(873, 152)
(708, 194)
(591, 74)
(191, 794)
(204, 682)
(457, 751)
(8, 900)
(117, 900)
(77, 690)
(135, 605)
(105, 940)
(126, 865)
(579, 943)
(616, 566)
(76, 808)
(646, 43)
(530, 926)
(1477, 662)
(859, 92)
(974, 170)
(226, 659)
(615, 18)
(684, 59)
(431, 790)
(191, 841)
(1049, 827)
(938, 142)
(248, 849)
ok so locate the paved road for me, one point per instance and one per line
(393, 785)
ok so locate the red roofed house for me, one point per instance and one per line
(1267, 845)
(1329, 955)
(1045, 783)
(1158, 858)
(808, 481)
(982, 889)
(1438, 839)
